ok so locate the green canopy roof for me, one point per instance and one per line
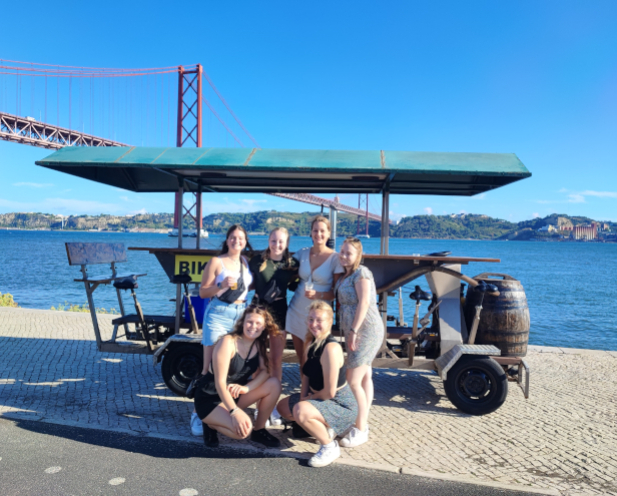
(245, 170)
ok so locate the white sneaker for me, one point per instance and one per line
(355, 437)
(275, 417)
(326, 455)
(197, 426)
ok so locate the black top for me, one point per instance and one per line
(313, 370)
(273, 270)
(240, 371)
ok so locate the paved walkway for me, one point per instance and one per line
(563, 440)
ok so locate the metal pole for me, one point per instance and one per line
(200, 71)
(367, 215)
(385, 223)
(383, 297)
(332, 240)
(178, 203)
(199, 217)
(180, 194)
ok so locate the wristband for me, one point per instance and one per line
(353, 330)
(233, 410)
(218, 285)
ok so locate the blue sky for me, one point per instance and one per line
(535, 78)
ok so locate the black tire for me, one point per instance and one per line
(181, 364)
(476, 385)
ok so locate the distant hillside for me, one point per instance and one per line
(86, 222)
(298, 224)
(455, 226)
(460, 226)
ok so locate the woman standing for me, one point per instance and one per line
(223, 392)
(325, 406)
(225, 279)
(319, 270)
(273, 271)
(364, 332)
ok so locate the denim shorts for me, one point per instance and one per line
(219, 319)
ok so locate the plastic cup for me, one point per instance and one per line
(234, 285)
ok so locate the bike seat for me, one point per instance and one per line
(418, 295)
(483, 287)
(126, 283)
(181, 279)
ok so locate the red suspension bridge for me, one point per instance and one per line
(53, 106)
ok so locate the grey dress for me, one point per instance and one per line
(371, 332)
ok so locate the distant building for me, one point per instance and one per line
(587, 233)
(548, 228)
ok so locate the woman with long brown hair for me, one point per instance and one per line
(319, 270)
(226, 280)
(240, 376)
(325, 407)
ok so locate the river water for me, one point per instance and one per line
(571, 287)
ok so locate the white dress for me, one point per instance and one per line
(322, 277)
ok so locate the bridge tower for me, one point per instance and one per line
(189, 133)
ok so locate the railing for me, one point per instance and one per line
(28, 131)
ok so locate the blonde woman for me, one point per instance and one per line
(273, 271)
(363, 327)
(239, 377)
(325, 406)
(319, 269)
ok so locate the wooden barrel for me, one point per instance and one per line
(504, 321)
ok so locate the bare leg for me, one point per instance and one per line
(299, 347)
(277, 346)
(312, 421)
(283, 409)
(355, 378)
(220, 419)
(267, 395)
(207, 359)
(367, 385)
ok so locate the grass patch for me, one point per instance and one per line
(70, 307)
(6, 300)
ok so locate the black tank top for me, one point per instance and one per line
(240, 371)
(313, 370)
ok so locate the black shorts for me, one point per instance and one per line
(205, 403)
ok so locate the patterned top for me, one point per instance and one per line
(371, 332)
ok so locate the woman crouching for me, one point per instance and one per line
(325, 407)
(225, 390)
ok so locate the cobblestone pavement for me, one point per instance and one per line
(563, 438)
